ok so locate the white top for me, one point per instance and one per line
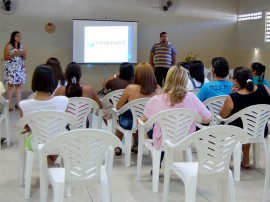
(197, 83)
(58, 103)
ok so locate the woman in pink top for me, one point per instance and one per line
(174, 95)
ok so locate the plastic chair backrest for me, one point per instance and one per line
(46, 125)
(174, 123)
(254, 119)
(208, 73)
(137, 107)
(80, 107)
(214, 104)
(214, 146)
(195, 91)
(83, 152)
(113, 96)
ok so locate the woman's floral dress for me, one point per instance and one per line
(14, 69)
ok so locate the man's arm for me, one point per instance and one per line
(173, 59)
(152, 59)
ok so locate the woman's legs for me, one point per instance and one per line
(18, 88)
(245, 149)
(10, 92)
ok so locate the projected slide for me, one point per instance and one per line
(104, 41)
(107, 44)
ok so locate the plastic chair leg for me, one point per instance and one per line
(58, 192)
(167, 176)
(21, 159)
(156, 166)
(188, 154)
(256, 154)
(139, 159)
(106, 192)
(28, 173)
(68, 191)
(128, 141)
(190, 188)
(231, 187)
(109, 125)
(237, 161)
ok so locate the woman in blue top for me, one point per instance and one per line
(258, 71)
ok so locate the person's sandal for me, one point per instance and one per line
(134, 148)
(118, 151)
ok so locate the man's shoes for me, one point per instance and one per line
(3, 139)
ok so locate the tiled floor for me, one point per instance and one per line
(124, 185)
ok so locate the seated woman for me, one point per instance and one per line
(196, 78)
(258, 72)
(174, 94)
(57, 70)
(145, 85)
(122, 79)
(245, 94)
(44, 84)
(116, 82)
(74, 88)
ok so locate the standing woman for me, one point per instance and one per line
(14, 68)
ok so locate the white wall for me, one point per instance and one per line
(206, 27)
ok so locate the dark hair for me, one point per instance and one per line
(43, 79)
(57, 69)
(259, 69)
(145, 77)
(184, 64)
(12, 39)
(244, 77)
(220, 66)
(162, 33)
(73, 76)
(196, 70)
(126, 71)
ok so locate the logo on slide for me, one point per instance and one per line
(91, 45)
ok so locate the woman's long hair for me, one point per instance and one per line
(259, 69)
(244, 77)
(73, 76)
(57, 69)
(145, 77)
(196, 70)
(176, 84)
(12, 39)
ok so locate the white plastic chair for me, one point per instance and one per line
(267, 173)
(44, 125)
(136, 107)
(113, 98)
(4, 117)
(81, 108)
(83, 152)
(214, 147)
(208, 73)
(254, 120)
(174, 123)
(214, 104)
(195, 90)
(31, 96)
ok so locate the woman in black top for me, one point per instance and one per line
(246, 94)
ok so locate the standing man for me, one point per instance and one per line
(162, 57)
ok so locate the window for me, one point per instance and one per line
(250, 16)
(267, 27)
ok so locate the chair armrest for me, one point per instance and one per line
(221, 121)
(200, 126)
